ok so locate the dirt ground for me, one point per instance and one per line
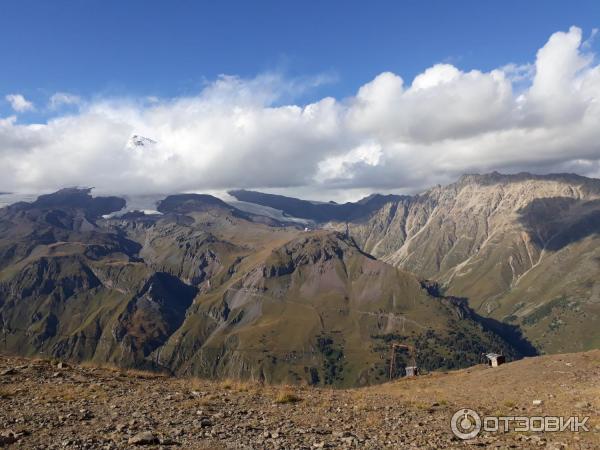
(49, 404)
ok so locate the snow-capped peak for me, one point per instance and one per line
(137, 141)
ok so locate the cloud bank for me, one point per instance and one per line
(390, 136)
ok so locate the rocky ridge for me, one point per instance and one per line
(523, 249)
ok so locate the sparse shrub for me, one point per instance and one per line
(372, 420)
(6, 393)
(238, 385)
(142, 374)
(207, 401)
(287, 396)
(560, 303)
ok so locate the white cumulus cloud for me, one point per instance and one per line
(19, 103)
(392, 135)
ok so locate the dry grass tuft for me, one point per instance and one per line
(97, 365)
(239, 385)
(143, 374)
(287, 396)
(133, 373)
(372, 420)
(361, 401)
(226, 385)
(199, 384)
(6, 393)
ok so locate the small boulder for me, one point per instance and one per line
(145, 438)
(204, 423)
(582, 405)
(8, 437)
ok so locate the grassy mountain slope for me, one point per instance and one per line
(203, 289)
(522, 248)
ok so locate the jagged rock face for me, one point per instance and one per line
(513, 245)
(191, 254)
(154, 313)
(207, 291)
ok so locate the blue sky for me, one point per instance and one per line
(171, 48)
(328, 99)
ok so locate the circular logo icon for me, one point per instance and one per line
(465, 424)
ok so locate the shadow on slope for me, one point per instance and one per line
(509, 332)
(553, 223)
(155, 313)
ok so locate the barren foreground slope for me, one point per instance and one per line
(46, 404)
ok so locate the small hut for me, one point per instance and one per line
(411, 371)
(494, 359)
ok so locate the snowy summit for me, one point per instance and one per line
(138, 141)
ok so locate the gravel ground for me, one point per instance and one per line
(49, 405)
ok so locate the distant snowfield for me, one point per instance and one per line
(148, 204)
(144, 203)
(260, 210)
(8, 198)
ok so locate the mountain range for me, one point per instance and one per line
(502, 263)
(522, 248)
